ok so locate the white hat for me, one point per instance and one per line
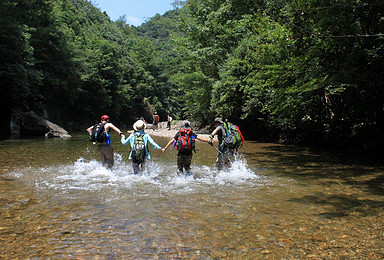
(219, 119)
(139, 125)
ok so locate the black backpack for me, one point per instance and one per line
(139, 150)
(98, 133)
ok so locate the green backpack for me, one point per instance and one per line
(232, 137)
(139, 150)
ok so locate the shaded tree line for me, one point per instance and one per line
(66, 60)
(309, 72)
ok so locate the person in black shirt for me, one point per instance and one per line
(184, 141)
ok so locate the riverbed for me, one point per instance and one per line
(275, 202)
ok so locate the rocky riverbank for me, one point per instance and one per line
(175, 127)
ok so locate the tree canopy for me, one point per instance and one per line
(311, 72)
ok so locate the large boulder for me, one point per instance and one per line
(56, 131)
(30, 124)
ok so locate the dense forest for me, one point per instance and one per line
(309, 72)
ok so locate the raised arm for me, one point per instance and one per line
(153, 143)
(202, 139)
(89, 129)
(117, 130)
(216, 131)
(126, 141)
(168, 144)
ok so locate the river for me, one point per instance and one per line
(275, 202)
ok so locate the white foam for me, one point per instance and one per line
(90, 175)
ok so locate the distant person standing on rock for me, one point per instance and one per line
(99, 134)
(156, 120)
(169, 121)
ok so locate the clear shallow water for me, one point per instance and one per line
(275, 202)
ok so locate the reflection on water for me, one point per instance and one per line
(275, 202)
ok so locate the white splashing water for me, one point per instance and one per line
(90, 175)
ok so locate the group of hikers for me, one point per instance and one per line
(229, 137)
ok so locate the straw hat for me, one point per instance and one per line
(139, 125)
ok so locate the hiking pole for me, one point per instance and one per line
(215, 148)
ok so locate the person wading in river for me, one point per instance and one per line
(185, 144)
(139, 146)
(225, 153)
(99, 134)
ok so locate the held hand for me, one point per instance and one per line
(163, 150)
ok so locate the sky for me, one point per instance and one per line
(136, 11)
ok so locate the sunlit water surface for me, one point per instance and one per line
(276, 202)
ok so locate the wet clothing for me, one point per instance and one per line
(225, 157)
(131, 141)
(138, 167)
(106, 154)
(184, 162)
(184, 157)
(106, 151)
(226, 154)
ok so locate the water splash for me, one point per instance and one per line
(89, 175)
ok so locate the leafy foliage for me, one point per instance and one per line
(305, 71)
(309, 71)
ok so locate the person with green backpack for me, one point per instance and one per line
(139, 146)
(230, 140)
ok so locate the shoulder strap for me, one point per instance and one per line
(140, 134)
(223, 130)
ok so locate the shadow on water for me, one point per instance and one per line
(341, 205)
(351, 184)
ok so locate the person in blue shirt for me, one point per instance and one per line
(138, 141)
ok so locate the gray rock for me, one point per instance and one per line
(30, 124)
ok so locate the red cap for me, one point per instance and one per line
(104, 118)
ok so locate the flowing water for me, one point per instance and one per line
(275, 202)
